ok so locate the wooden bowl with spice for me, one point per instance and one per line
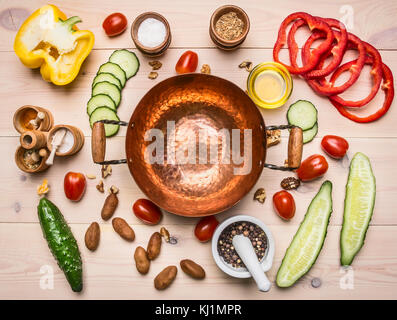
(229, 26)
(151, 33)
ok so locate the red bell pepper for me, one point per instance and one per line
(313, 24)
(376, 73)
(388, 87)
(337, 51)
(326, 88)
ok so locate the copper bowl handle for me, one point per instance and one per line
(98, 142)
(295, 148)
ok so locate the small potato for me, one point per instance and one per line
(141, 260)
(123, 229)
(165, 277)
(109, 207)
(192, 269)
(92, 236)
(154, 246)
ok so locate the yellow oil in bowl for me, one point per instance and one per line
(269, 85)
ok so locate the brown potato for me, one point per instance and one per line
(123, 229)
(192, 269)
(165, 277)
(154, 246)
(92, 236)
(109, 207)
(141, 260)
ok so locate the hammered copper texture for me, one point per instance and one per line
(194, 101)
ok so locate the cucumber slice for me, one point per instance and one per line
(104, 113)
(303, 114)
(308, 135)
(127, 60)
(308, 240)
(106, 77)
(114, 69)
(359, 206)
(109, 89)
(100, 100)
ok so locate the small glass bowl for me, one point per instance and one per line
(282, 71)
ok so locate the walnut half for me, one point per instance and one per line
(273, 137)
(260, 195)
(290, 183)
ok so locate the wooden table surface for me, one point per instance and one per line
(109, 273)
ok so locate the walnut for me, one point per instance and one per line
(260, 195)
(114, 190)
(106, 170)
(153, 75)
(155, 64)
(205, 68)
(165, 233)
(99, 187)
(273, 137)
(290, 183)
(246, 64)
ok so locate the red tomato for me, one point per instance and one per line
(205, 228)
(187, 62)
(284, 204)
(114, 24)
(313, 167)
(147, 211)
(74, 185)
(335, 146)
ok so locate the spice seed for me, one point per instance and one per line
(229, 26)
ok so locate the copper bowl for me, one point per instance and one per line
(193, 102)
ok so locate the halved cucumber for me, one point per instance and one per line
(303, 114)
(106, 77)
(127, 60)
(100, 100)
(308, 135)
(359, 206)
(109, 89)
(104, 113)
(308, 240)
(114, 69)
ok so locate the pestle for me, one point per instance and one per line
(245, 250)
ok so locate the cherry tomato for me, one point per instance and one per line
(114, 24)
(205, 228)
(147, 211)
(284, 204)
(313, 167)
(74, 185)
(336, 147)
(187, 62)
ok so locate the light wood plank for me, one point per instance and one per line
(15, 190)
(68, 103)
(373, 21)
(109, 273)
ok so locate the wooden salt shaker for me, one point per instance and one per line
(33, 139)
(72, 133)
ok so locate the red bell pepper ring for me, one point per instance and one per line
(313, 23)
(388, 87)
(376, 73)
(337, 51)
(326, 88)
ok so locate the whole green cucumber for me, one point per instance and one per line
(61, 242)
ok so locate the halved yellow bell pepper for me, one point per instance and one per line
(47, 39)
